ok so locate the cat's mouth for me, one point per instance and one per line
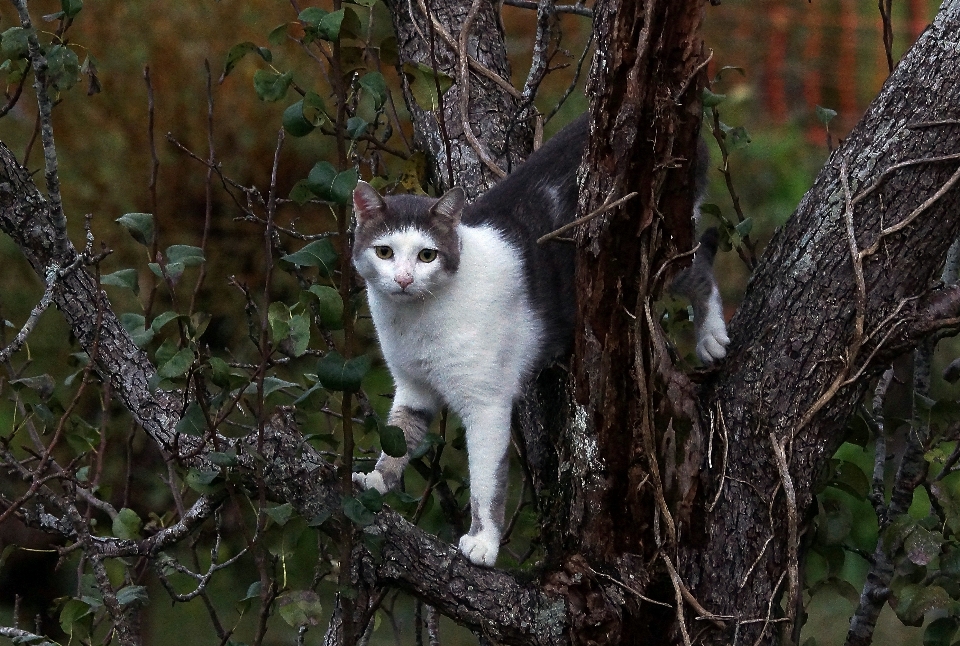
(407, 294)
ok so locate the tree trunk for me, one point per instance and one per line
(645, 87)
(807, 340)
(469, 140)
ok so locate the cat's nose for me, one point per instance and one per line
(404, 280)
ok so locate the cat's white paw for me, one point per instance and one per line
(712, 339)
(713, 342)
(481, 550)
(372, 480)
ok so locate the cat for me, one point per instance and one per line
(468, 307)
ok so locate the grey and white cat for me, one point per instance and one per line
(468, 307)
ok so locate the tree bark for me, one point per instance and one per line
(492, 105)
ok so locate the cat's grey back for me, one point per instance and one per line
(537, 198)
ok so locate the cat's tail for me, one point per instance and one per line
(698, 284)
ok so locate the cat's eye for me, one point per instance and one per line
(383, 252)
(427, 255)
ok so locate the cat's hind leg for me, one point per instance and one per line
(488, 438)
(413, 410)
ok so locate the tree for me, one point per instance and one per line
(674, 507)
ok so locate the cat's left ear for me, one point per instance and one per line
(367, 203)
(450, 206)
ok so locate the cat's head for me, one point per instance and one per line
(406, 246)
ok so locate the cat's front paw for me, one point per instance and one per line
(372, 480)
(712, 340)
(480, 549)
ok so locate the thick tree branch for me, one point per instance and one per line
(815, 327)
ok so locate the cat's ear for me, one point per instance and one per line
(450, 206)
(367, 203)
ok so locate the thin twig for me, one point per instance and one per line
(577, 9)
(606, 206)
(44, 116)
(793, 567)
(464, 82)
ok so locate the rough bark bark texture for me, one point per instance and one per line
(492, 107)
(644, 89)
(799, 361)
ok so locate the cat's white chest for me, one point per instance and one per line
(477, 337)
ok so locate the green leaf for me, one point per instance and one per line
(915, 600)
(270, 86)
(186, 255)
(221, 373)
(299, 339)
(319, 253)
(337, 373)
(922, 545)
(43, 385)
(132, 594)
(301, 193)
(744, 228)
(294, 122)
(72, 612)
(429, 441)
(238, 51)
(193, 422)
(133, 324)
(253, 593)
(711, 100)
(423, 84)
(127, 525)
(357, 512)
(356, 127)
(300, 608)
(371, 499)
(139, 225)
(392, 441)
(278, 316)
(81, 436)
(711, 209)
(13, 43)
(221, 459)
(834, 522)
(312, 16)
(278, 35)
(162, 319)
(330, 306)
(343, 185)
(374, 85)
(270, 385)
(177, 365)
(825, 115)
(201, 481)
(737, 137)
(328, 27)
(320, 179)
(940, 632)
(71, 8)
(850, 478)
(306, 114)
(63, 67)
(123, 278)
(280, 513)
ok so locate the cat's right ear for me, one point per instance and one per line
(450, 205)
(367, 203)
